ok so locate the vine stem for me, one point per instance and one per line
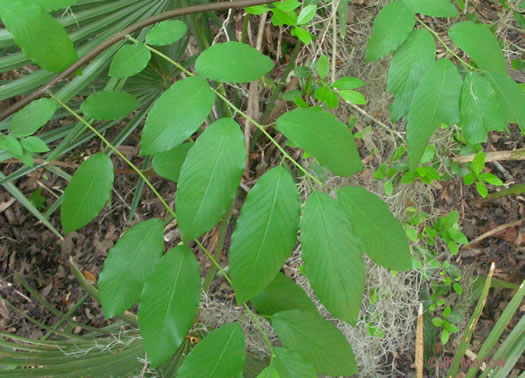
(168, 208)
(237, 110)
(117, 37)
(444, 44)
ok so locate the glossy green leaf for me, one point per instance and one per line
(434, 8)
(480, 109)
(282, 294)
(303, 35)
(32, 117)
(265, 234)
(166, 33)
(511, 98)
(478, 163)
(128, 265)
(168, 164)
(42, 38)
(382, 235)
(220, 354)
(332, 257)
(176, 115)
(435, 101)
(257, 9)
(87, 192)
(409, 64)
(290, 364)
(228, 62)
(317, 341)
(129, 60)
(392, 26)
(169, 303)
(323, 137)
(307, 14)
(482, 46)
(323, 66)
(209, 178)
(347, 83)
(13, 146)
(34, 144)
(109, 105)
(353, 97)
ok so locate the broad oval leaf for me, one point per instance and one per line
(209, 178)
(166, 33)
(232, 62)
(511, 98)
(435, 101)
(392, 26)
(128, 265)
(32, 117)
(129, 60)
(382, 235)
(282, 294)
(409, 64)
(109, 105)
(28, 23)
(323, 137)
(34, 144)
(332, 257)
(265, 233)
(87, 192)
(169, 303)
(317, 341)
(176, 115)
(481, 110)
(220, 354)
(290, 364)
(434, 8)
(478, 41)
(168, 164)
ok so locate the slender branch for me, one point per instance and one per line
(119, 36)
(494, 156)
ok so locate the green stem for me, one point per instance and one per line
(445, 45)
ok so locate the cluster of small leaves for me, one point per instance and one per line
(431, 93)
(473, 173)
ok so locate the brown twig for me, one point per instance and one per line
(119, 36)
(419, 343)
(493, 231)
(494, 156)
(124, 171)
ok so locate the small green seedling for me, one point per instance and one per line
(476, 175)
(448, 327)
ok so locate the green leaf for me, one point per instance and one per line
(129, 60)
(228, 62)
(491, 179)
(438, 322)
(87, 192)
(445, 336)
(307, 14)
(42, 38)
(482, 189)
(323, 137)
(479, 42)
(32, 117)
(478, 163)
(303, 35)
(168, 164)
(382, 235)
(281, 17)
(166, 33)
(109, 105)
(392, 26)
(480, 109)
(332, 257)
(409, 64)
(290, 364)
(220, 354)
(388, 188)
(347, 83)
(265, 234)
(282, 294)
(169, 303)
(128, 265)
(323, 66)
(353, 97)
(34, 144)
(317, 341)
(176, 115)
(511, 98)
(435, 101)
(434, 8)
(13, 146)
(257, 9)
(269, 372)
(53, 5)
(209, 178)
